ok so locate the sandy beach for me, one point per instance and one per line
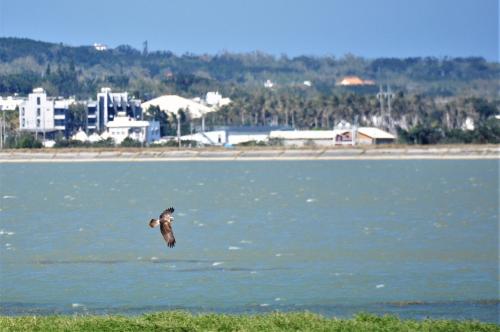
(251, 154)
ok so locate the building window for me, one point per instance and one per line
(37, 112)
(59, 111)
(38, 123)
(38, 100)
(22, 111)
(24, 122)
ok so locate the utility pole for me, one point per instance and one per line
(390, 97)
(384, 96)
(381, 99)
(3, 127)
(179, 129)
(355, 130)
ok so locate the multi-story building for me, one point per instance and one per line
(124, 126)
(107, 106)
(44, 115)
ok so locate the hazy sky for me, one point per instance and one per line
(369, 28)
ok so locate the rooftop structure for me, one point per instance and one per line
(216, 99)
(10, 103)
(340, 136)
(124, 126)
(100, 47)
(268, 84)
(354, 81)
(174, 103)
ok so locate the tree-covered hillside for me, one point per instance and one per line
(433, 96)
(65, 70)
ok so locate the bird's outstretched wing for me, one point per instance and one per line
(167, 214)
(154, 223)
(168, 234)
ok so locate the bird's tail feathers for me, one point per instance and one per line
(153, 223)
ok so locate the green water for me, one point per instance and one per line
(334, 237)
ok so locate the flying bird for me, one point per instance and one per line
(165, 222)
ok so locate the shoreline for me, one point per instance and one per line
(472, 152)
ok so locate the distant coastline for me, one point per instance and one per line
(252, 154)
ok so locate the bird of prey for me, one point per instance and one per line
(165, 222)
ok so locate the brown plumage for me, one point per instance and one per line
(165, 222)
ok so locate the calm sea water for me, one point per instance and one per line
(412, 238)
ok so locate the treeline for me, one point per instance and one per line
(65, 70)
(434, 99)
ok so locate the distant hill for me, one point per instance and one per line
(432, 100)
(81, 71)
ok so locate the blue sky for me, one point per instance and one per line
(368, 28)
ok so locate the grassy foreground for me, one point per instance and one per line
(183, 321)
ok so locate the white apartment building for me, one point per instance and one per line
(37, 112)
(107, 106)
(44, 115)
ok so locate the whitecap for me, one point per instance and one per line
(80, 229)
(201, 224)
(77, 305)
(200, 183)
(139, 258)
(217, 263)
(264, 305)
(233, 248)
(229, 222)
(277, 299)
(9, 196)
(273, 194)
(154, 258)
(310, 200)
(380, 286)
(246, 241)
(181, 214)
(338, 274)
(69, 197)
(8, 244)
(278, 255)
(253, 272)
